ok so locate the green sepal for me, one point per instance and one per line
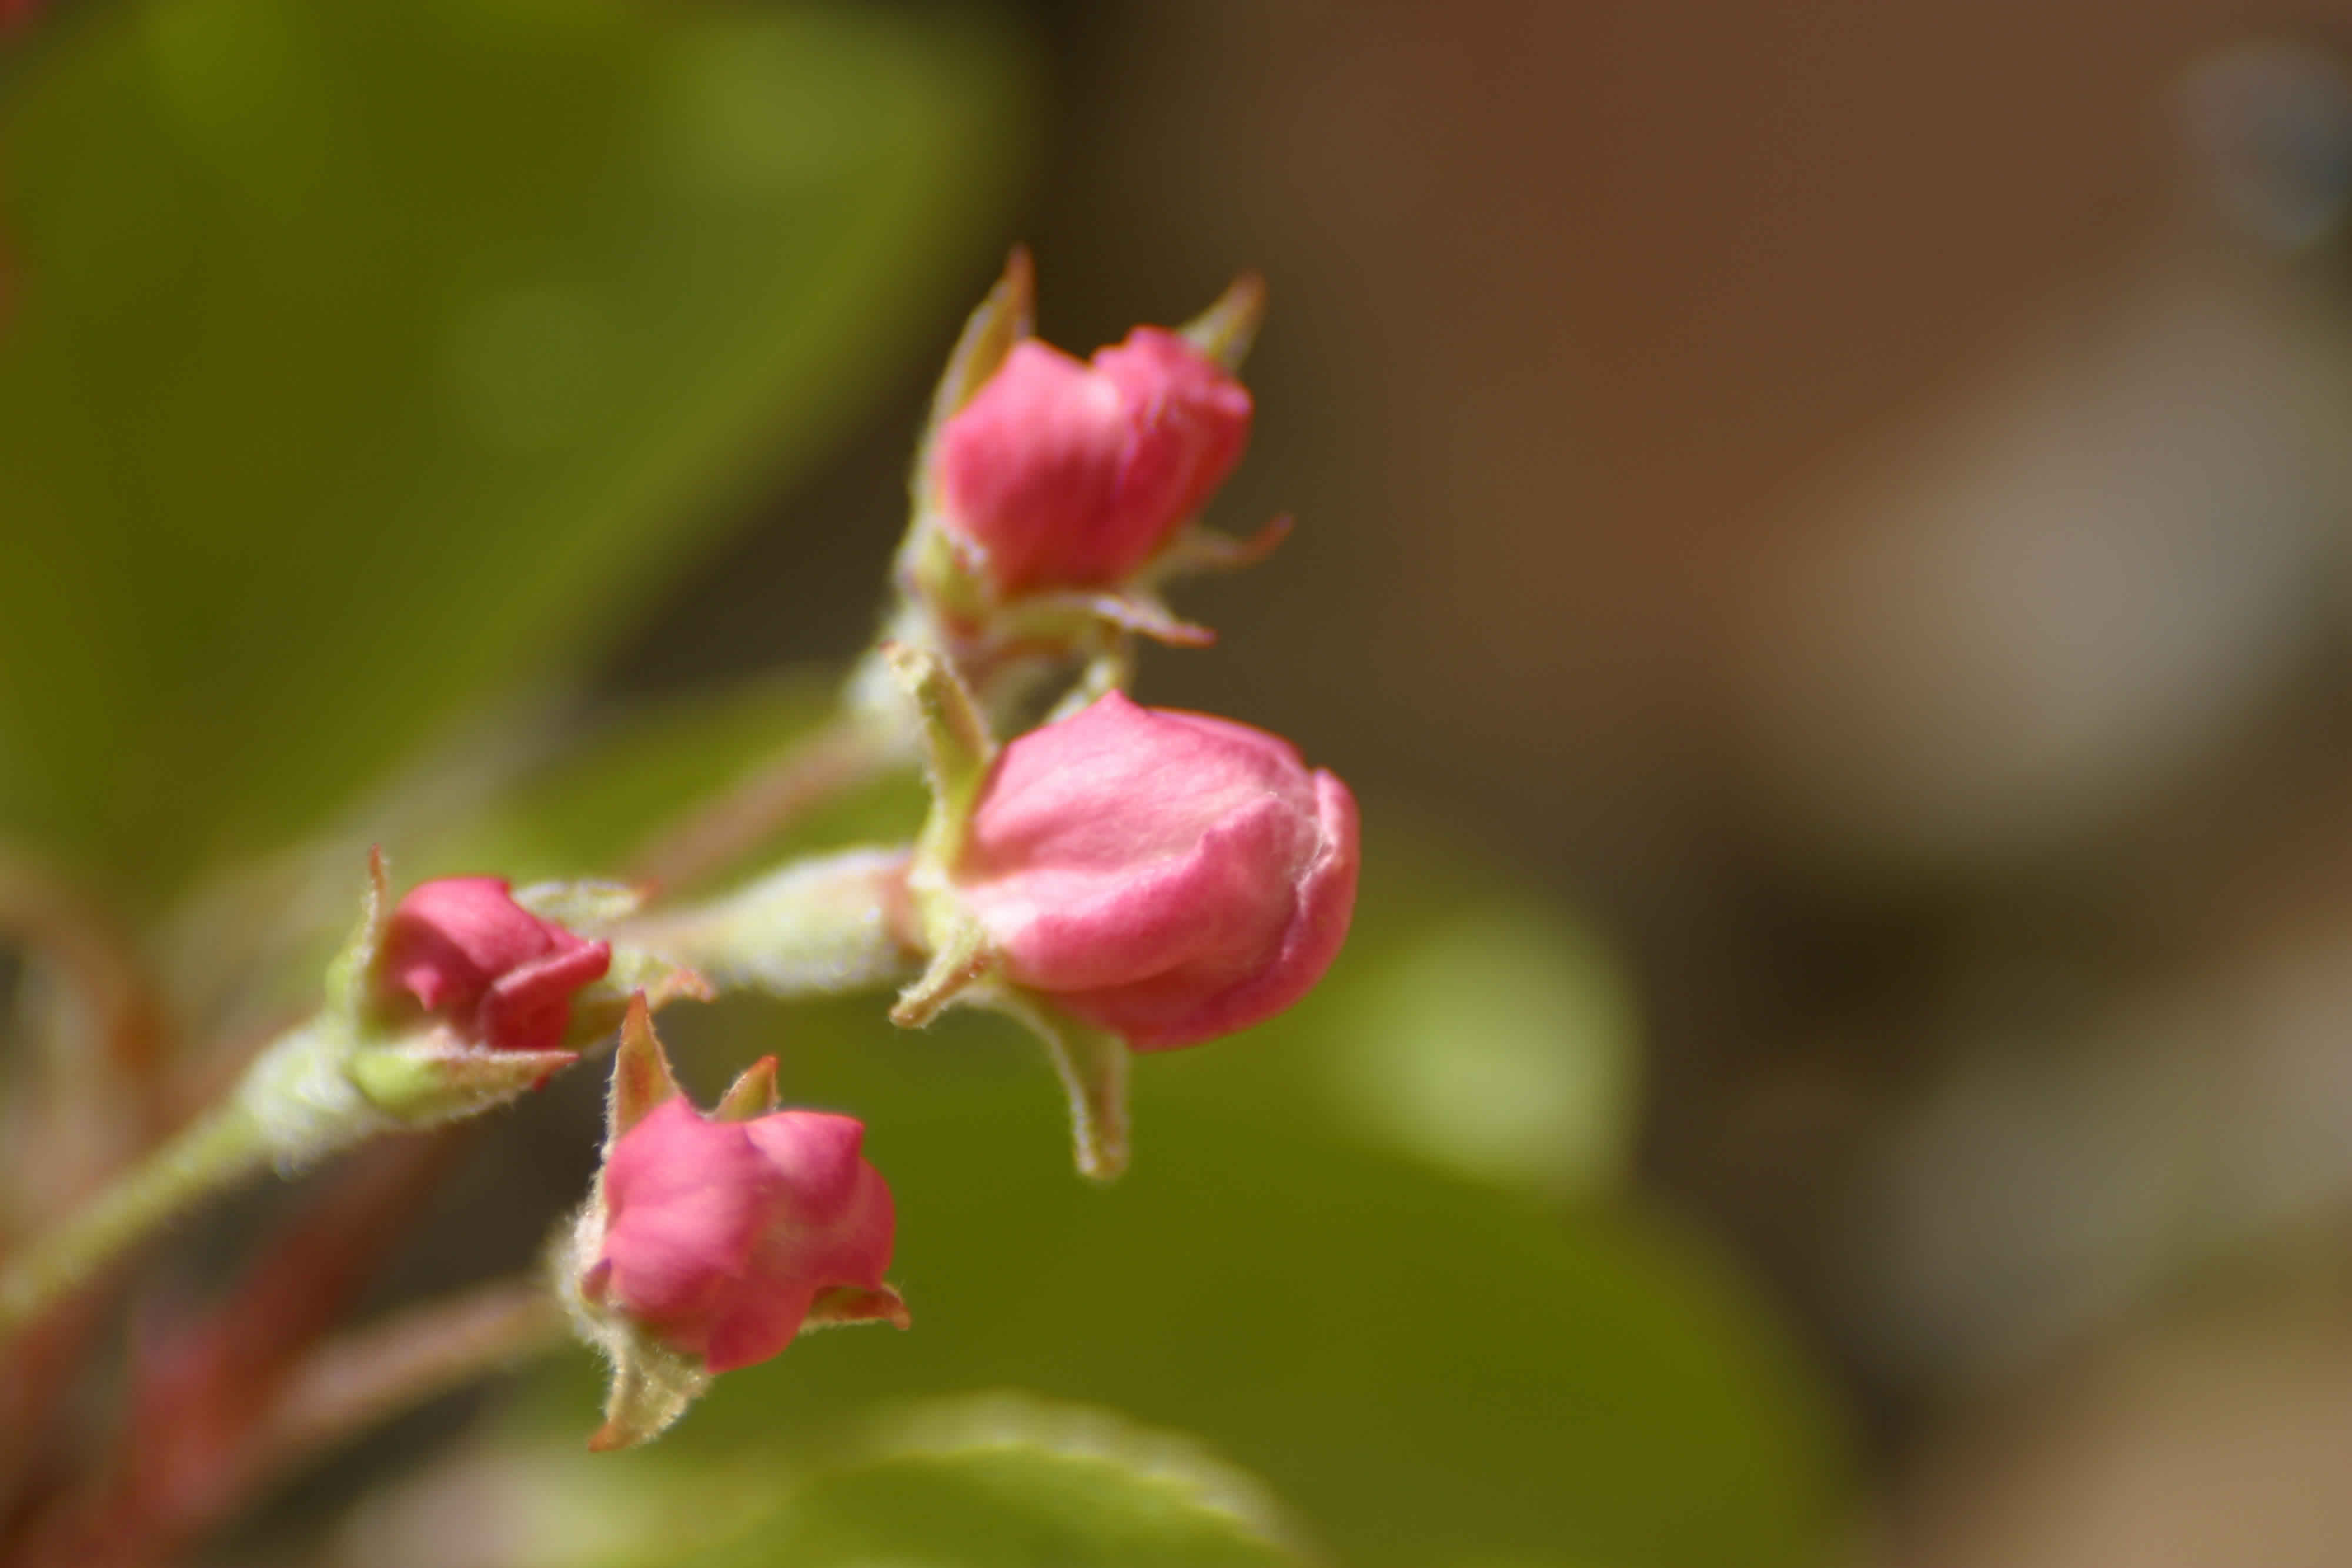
(958, 749)
(1000, 321)
(652, 1386)
(1227, 329)
(844, 1306)
(642, 1078)
(585, 908)
(962, 958)
(1086, 621)
(1197, 548)
(1092, 1065)
(752, 1095)
(428, 1079)
(350, 984)
(599, 1007)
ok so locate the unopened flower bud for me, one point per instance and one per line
(720, 1236)
(462, 950)
(1167, 877)
(1063, 474)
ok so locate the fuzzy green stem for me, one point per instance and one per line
(294, 1104)
(820, 927)
(218, 1149)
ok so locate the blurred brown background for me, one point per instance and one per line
(1853, 496)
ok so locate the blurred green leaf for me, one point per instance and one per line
(989, 1481)
(1497, 1042)
(999, 1487)
(362, 358)
(1422, 1367)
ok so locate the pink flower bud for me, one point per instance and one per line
(1063, 474)
(719, 1236)
(1167, 876)
(498, 974)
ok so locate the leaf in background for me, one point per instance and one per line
(365, 358)
(1005, 1482)
(1422, 1367)
(1497, 1043)
(993, 1481)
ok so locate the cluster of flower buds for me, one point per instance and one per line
(1119, 879)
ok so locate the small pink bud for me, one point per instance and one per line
(719, 1235)
(1063, 474)
(499, 974)
(1167, 876)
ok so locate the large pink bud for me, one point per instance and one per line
(719, 1235)
(1063, 474)
(1167, 876)
(498, 974)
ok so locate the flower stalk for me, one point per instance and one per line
(300, 1102)
(370, 1374)
(210, 1154)
(820, 927)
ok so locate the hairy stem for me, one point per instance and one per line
(832, 923)
(214, 1152)
(294, 1104)
(202, 1385)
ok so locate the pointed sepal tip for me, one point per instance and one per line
(642, 1078)
(962, 960)
(752, 1095)
(1228, 328)
(844, 1306)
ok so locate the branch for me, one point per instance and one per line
(369, 1374)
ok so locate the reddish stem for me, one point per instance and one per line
(194, 1441)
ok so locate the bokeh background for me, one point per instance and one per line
(1822, 544)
